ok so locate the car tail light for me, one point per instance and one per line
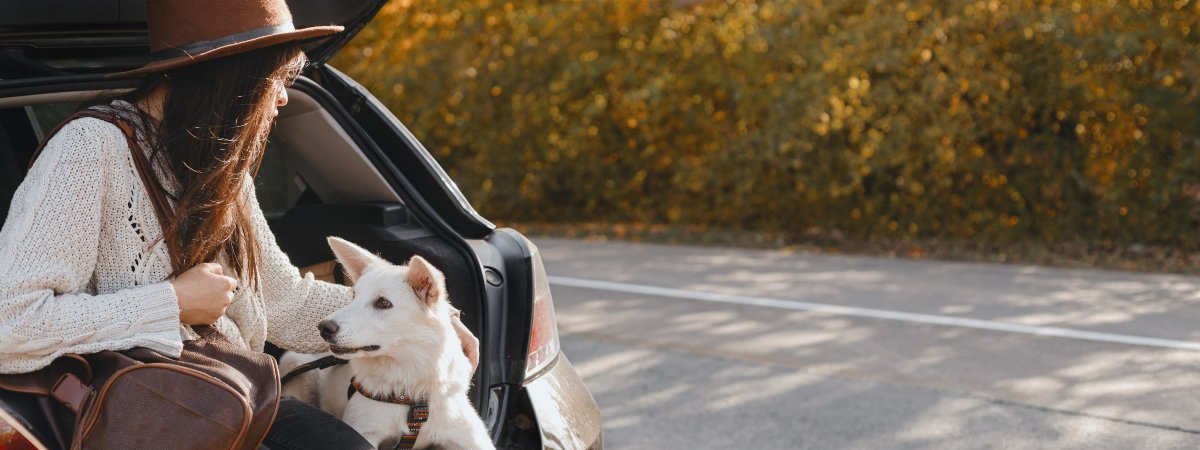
(543, 336)
(11, 437)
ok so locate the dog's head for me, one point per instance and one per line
(395, 308)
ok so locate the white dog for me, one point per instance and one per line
(401, 348)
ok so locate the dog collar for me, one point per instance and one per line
(418, 410)
(399, 399)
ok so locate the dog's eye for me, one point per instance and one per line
(382, 303)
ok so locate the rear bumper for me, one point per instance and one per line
(567, 415)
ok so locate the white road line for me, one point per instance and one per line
(796, 305)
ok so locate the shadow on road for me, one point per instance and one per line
(854, 382)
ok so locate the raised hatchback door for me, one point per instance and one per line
(56, 38)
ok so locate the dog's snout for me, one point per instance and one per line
(328, 328)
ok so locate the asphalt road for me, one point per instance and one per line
(707, 348)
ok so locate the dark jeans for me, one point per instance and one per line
(299, 426)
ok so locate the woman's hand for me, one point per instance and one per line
(203, 292)
(470, 344)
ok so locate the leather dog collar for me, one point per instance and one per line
(418, 410)
(399, 399)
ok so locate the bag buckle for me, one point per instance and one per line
(70, 391)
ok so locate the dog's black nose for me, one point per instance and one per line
(328, 328)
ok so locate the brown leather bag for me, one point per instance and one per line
(216, 395)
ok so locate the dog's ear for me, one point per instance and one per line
(354, 259)
(427, 281)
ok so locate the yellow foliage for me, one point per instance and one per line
(991, 120)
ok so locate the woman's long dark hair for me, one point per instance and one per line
(215, 120)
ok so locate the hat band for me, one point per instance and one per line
(196, 48)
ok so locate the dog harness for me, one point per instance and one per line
(418, 411)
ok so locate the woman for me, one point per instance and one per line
(85, 263)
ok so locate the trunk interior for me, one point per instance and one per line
(314, 183)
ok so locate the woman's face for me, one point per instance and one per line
(281, 96)
(293, 70)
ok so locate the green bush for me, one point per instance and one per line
(996, 121)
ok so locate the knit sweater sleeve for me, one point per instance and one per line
(295, 304)
(48, 252)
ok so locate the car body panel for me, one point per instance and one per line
(567, 415)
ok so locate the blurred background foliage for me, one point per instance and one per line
(992, 121)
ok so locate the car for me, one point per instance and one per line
(338, 163)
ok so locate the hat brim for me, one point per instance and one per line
(231, 49)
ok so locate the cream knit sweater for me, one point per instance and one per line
(83, 265)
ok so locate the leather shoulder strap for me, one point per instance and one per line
(162, 209)
(107, 117)
(68, 378)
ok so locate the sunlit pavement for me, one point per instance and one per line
(741, 354)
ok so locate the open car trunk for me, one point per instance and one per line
(314, 182)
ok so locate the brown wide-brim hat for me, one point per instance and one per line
(185, 32)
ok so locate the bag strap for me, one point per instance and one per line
(162, 209)
(66, 379)
(107, 117)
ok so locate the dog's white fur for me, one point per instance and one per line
(419, 354)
